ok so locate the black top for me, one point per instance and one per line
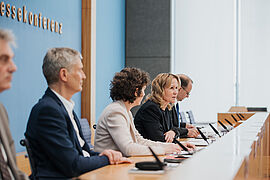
(152, 122)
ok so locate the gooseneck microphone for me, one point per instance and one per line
(180, 144)
(239, 117)
(224, 127)
(203, 136)
(214, 129)
(234, 118)
(228, 122)
(242, 116)
(157, 159)
(150, 165)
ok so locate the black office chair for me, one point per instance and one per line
(25, 143)
(86, 132)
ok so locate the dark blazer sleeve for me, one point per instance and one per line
(182, 131)
(150, 117)
(183, 125)
(55, 141)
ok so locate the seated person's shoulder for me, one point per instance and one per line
(149, 106)
(47, 106)
(149, 111)
(112, 109)
(47, 102)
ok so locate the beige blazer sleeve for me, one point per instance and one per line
(118, 125)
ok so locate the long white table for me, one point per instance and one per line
(241, 153)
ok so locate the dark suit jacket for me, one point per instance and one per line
(152, 122)
(182, 131)
(8, 144)
(54, 143)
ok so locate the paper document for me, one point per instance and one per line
(197, 142)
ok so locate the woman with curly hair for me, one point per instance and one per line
(153, 120)
(115, 128)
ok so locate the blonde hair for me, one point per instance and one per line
(161, 81)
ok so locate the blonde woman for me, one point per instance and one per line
(115, 128)
(153, 120)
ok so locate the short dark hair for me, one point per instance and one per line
(126, 82)
(184, 80)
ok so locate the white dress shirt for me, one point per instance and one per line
(69, 105)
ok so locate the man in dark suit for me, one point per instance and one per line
(185, 129)
(53, 130)
(8, 167)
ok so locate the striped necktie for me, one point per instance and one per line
(3, 167)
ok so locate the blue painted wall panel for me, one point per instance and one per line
(110, 54)
(33, 42)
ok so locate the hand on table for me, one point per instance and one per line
(193, 132)
(169, 136)
(190, 147)
(189, 126)
(172, 148)
(115, 157)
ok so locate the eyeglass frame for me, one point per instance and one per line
(188, 93)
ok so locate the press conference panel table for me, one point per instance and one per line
(243, 153)
(120, 172)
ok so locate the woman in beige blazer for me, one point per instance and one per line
(115, 129)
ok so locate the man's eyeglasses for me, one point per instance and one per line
(188, 93)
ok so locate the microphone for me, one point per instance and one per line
(214, 129)
(150, 165)
(239, 116)
(228, 122)
(224, 127)
(234, 118)
(203, 136)
(242, 116)
(182, 146)
(157, 159)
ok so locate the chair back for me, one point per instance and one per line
(191, 117)
(182, 116)
(86, 132)
(25, 143)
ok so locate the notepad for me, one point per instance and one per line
(198, 142)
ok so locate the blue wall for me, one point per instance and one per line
(110, 55)
(33, 42)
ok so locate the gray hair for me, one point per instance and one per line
(55, 60)
(7, 36)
